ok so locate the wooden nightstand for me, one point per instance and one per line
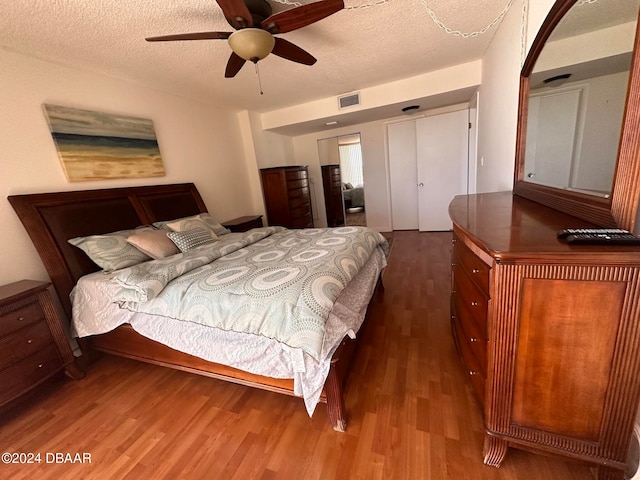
(33, 345)
(242, 224)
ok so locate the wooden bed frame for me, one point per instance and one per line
(52, 218)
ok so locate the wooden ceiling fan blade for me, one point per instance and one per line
(285, 49)
(234, 65)
(301, 16)
(236, 13)
(190, 36)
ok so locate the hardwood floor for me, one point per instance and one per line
(412, 415)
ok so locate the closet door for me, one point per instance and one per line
(401, 138)
(443, 170)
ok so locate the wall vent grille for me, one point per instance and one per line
(349, 100)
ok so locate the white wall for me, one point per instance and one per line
(499, 107)
(199, 143)
(498, 113)
(463, 77)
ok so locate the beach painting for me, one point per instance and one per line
(100, 146)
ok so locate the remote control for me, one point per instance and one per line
(590, 231)
(604, 239)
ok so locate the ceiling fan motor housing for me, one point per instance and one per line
(259, 10)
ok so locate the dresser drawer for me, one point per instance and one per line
(298, 174)
(295, 184)
(28, 373)
(471, 299)
(304, 221)
(470, 363)
(473, 336)
(299, 197)
(299, 194)
(24, 343)
(24, 315)
(477, 270)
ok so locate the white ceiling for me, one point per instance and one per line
(355, 48)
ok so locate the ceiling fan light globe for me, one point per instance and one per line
(251, 44)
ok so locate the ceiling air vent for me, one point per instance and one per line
(349, 100)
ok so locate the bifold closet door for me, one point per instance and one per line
(442, 164)
(428, 166)
(401, 138)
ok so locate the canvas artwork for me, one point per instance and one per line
(99, 146)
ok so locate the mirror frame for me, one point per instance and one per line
(620, 209)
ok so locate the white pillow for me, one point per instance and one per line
(110, 251)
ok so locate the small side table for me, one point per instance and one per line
(33, 344)
(242, 224)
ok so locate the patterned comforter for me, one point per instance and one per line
(274, 283)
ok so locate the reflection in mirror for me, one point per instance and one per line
(577, 96)
(342, 180)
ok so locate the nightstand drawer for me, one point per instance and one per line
(28, 373)
(21, 317)
(24, 343)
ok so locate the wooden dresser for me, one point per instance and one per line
(548, 333)
(287, 196)
(332, 186)
(33, 346)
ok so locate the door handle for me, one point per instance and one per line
(421, 184)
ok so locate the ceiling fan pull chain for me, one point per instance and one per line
(259, 80)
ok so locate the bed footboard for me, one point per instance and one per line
(124, 341)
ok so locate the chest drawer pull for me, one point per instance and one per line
(40, 365)
(473, 339)
(29, 342)
(475, 270)
(20, 319)
(472, 373)
(474, 303)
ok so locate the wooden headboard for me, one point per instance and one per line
(53, 218)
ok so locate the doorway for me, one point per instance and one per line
(343, 180)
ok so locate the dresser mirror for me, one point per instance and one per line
(578, 147)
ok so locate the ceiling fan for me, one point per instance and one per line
(255, 26)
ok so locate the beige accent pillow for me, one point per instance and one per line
(153, 243)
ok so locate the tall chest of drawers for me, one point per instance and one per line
(548, 333)
(33, 345)
(287, 196)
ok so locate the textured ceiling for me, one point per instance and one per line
(356, 47)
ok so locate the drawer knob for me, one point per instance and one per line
(473, 339)
(472, 373)
(475, 270)
(474, 303)
(40, 365)
(29, 341)
(20, 319)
